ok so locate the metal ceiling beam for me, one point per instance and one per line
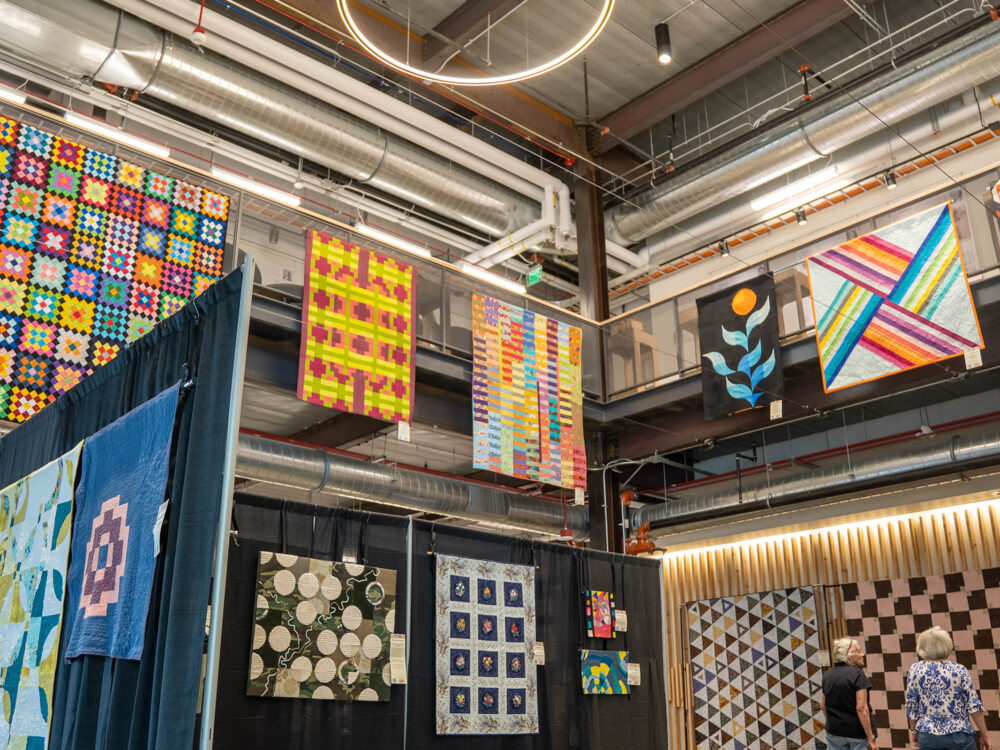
(804, 20)
(468, 20)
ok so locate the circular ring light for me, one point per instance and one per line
(423, 75)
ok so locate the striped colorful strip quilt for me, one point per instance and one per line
(892, 300)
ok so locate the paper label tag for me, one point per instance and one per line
(823, 657)
(578, 495)
(973, 359)
(161, 513)
(397, 658)
(403, 431)
(776, 409)
(621, 620)
(634, 674)
(538, 652)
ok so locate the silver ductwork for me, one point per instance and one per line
(88, 40)
(948, 71)
(320, 471)
(925, 456)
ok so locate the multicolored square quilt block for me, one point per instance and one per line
(486, 674)
(321, 629)
(600, 610)
(887, 616)
(892, 300)
(358, 347)
(527, 395)
(79, 230)
(604, 672)
(755, 672)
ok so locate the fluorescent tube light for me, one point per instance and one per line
(118, 136)
(795, 190)
(258, 188)
(490, 278)
(392, 240)
(14, 96)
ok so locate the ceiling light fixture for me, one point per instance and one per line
(890, 180)
(103, 129)
(392, 240)
(490, 278)
(14, 96)
(800, 217)
(662, 32)
(423, 75)
(258, 188)
(723, 248)
(795, 189)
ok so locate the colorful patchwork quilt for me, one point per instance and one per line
(486, 674)
(94, 251)
(527, 395)
(358, 347)
(604, 672)
(600, 611)
(892, 300)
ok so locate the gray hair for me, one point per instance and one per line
(934, 643)
(841, 648)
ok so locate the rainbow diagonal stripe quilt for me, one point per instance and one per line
(94, 251)
(358, 346)
(892, 300)
(527, 395)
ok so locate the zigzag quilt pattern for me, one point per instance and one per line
(755, 672)
(892, 300)
(94, 251)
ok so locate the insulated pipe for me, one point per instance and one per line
(546, 223)
(929, 456)
(951, 69)
(320, 471)
(96, 42)
(617, 251)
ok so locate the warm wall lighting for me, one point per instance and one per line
(392, 240)
(663, 54)
(103, 129)
(491, 278)
(258, 188)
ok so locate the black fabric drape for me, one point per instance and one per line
(110, 704)
(568, 719)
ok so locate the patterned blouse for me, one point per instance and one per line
(940, 695)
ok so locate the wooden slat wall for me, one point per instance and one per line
(935, 543)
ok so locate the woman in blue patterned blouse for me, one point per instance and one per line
(942, 707)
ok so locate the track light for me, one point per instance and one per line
(890, 180)
(257, 188)
(105, 130)
(800, 217)
(663, 43)
(14, 96)
(723, 248)
(392, 240)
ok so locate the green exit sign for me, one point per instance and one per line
(534, 275)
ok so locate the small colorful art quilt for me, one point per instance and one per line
(358, 347)
(604, 672)
(94, 251)
(527, 395)
(740, 348)
(600, 608)
(116, 530)
(887, 616)
(755, 672)
(321, 629)
(35, 520)
(892, 300)
(486, 673)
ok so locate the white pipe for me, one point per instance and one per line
(318, 79)
(546, 223)
(617, 251)
(565, 211)
(542, 237)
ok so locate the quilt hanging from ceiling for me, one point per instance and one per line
(740, 348)
(321, 629)
(358, 346)
(892, 300)
(94, 251)
(486, 674)
(889, 615)
(755, 671)
(116, 530)
(604, 672)
(527, 395)
(35, 523)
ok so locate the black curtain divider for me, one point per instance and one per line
(151, 704)
(568, 719)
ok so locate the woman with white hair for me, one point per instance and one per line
(845, 699)
(942, 707)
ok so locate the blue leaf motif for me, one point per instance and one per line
(758, 316)
(762, 371)
(749, 360)
(718, 363)
(739, 390)
(735, 338)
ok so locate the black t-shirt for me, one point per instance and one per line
(840, 686)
